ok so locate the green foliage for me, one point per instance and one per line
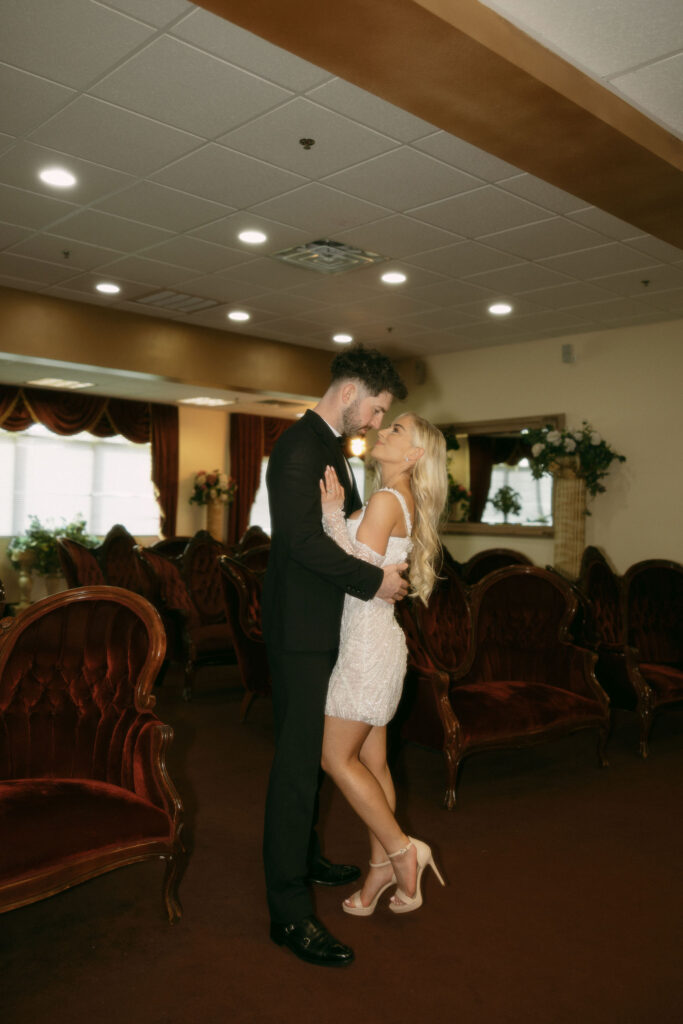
(592, 455)
(41, 540)
(508, 501)
(460, 496)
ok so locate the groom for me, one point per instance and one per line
(303, 597)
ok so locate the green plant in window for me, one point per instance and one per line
(41, 540)
(508, 501)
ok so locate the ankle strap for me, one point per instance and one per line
(382, 864)
(398, 853)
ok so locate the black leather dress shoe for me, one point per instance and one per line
(323, 872)
(310, 941)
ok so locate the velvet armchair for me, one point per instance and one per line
(204, 638)
(523, 680)
(652, 611)
(484, 562)
(83, 781)
(242, 587)
(80, 567)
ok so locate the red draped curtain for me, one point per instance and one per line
(251, 439)
(65, 412)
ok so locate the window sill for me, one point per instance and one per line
(499, 529)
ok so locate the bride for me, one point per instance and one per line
(400, 519)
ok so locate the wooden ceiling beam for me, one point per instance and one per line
(465, 69)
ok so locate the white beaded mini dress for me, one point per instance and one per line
(367, 681)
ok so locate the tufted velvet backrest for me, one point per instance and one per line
(601, 585)
(485, 562)
(653, 601)
(253, 537)
(520, 616)
(444, 625)
(170, 584)
(76, 672)
(242, 588)
(199, 569)
(120, 565)
(79, 566)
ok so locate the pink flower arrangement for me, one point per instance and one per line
(214, 486)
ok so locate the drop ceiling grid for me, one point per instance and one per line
(158, 210)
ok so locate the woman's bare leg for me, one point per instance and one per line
(354, 755)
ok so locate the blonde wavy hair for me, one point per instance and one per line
(429, 484)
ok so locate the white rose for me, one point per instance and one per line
(223, 480)
(577, 435)
(537, 449)
(201, 479)
(595, 438)
(553, 437)
(569, 445)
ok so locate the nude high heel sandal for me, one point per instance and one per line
(354, 906)
(424, 859)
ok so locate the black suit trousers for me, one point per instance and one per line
(290, 842)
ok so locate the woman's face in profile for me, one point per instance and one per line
(395, 442)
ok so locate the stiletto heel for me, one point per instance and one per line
(354, 905)
(424, 859)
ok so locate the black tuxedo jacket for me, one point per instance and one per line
(308, 574)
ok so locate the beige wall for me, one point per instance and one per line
(627, 382)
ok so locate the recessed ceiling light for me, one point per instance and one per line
(206, 401)
(500, 309)
(239, 315)
(57, 176)
(107, 288)
(394, 277)
(252, 237)
(342, 339)
(56, 382)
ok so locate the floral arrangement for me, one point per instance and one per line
(41, 541)
(215, 486)
(585, 449)
(508, 501)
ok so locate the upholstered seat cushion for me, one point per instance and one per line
(497, 710)
(48, 823)
(665, 680)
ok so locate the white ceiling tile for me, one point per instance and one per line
(114, 232)
(10, 234)
(370, 110)
(465, 157)
(141, 270)
(564, 296)
(672, 301)
(27, 269)
(29, 210)
(283, 304)
(547, 238)
(155, 12)
(72, 42)
(464, 258)
(544, 320)
(222, 288)
(226, 230)
(453, 293)
(656, 248)
(540, 192)
(20, 166)
(275, 137)
(605, 223)
(198, 255)
(82, 287)
(52, 248)
(149, 203)
(6, 141)
(106, 134)
(270, 273)
(321, 210)
(604, 36)
(402, 179)
(657, 88)
(28, 99)
(143, 84)
(598, 262)
(397, 237)
(441, 319)
(631, 282)
(224, 176)
(242, 48)
(616, 309)
(522, 305)
(522, 277)
(481, 212)
(8, 281)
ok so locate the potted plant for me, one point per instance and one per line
(37, 549)
(508, 501)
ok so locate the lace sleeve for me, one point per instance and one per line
(334, 525)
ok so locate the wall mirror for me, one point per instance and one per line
(492, 488)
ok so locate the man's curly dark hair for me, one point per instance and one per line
(374, 370)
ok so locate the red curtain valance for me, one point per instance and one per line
(251, 438)
(65, 412)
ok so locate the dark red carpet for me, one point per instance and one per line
(564, 900)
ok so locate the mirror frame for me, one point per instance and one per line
(557, 420)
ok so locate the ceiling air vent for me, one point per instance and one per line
(177, 301)
(328, 257)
